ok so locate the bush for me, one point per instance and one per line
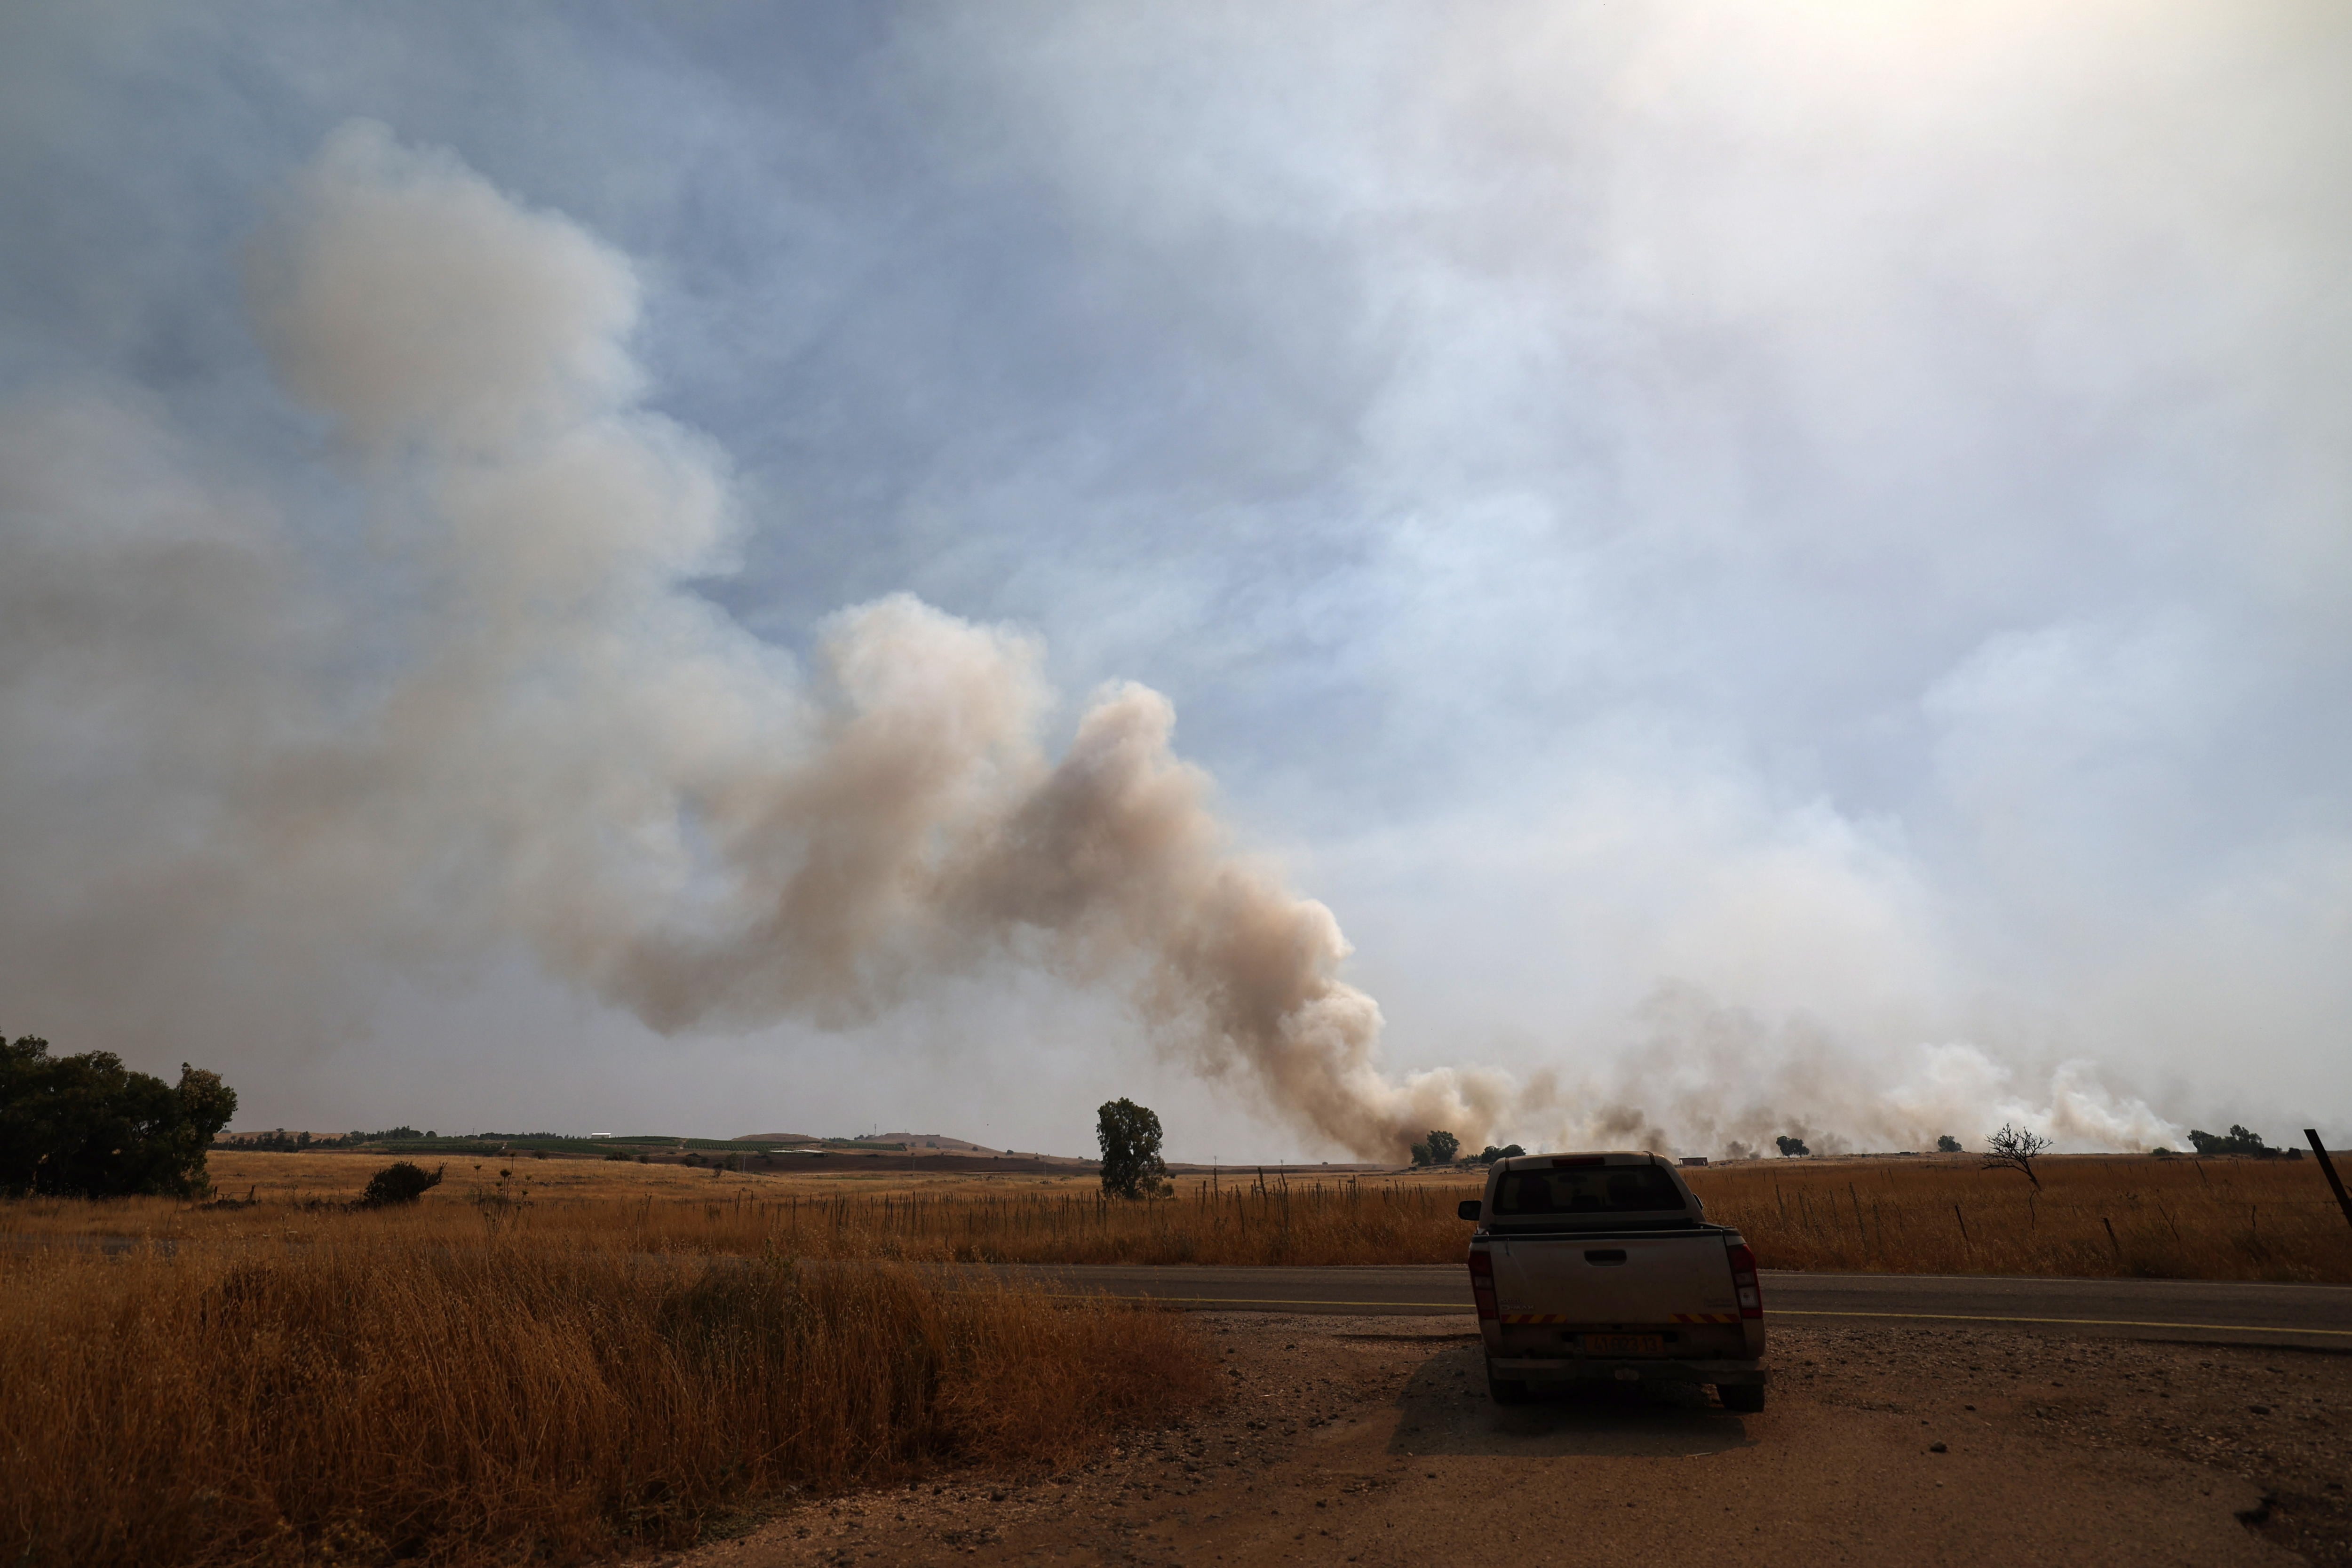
(403, 1182)
(85, 1126)
(1947, 1144)
(1490, 1154)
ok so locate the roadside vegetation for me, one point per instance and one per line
(528, 1398)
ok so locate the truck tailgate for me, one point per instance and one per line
(1612, 1278)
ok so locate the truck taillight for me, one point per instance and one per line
(1743, 1282)
(1482, 1284)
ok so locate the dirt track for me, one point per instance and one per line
(1371, 1441)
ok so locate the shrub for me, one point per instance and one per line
(400, 1182)
(1947, 1144)
(1490, 1154)
(85, 1126)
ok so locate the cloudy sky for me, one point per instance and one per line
(1775, 566)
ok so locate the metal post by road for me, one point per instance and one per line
(2327, 1168)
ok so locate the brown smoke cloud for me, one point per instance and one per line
(675, 816)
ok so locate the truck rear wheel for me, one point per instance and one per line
(1507, 1390)
(1746, 1398)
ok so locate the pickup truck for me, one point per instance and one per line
(1602, 1267)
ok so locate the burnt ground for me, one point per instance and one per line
(1371, 1441)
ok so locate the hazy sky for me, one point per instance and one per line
(1772, 564)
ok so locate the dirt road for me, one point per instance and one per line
(1371, 1440)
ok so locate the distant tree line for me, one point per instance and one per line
(2239, 1140)
(87, 1126)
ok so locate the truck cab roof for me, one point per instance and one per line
(1604, 1190)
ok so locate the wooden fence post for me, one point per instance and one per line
(2327, 1169)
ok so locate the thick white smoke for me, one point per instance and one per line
(1711, 1079)
(220, 752)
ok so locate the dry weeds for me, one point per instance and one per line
(513, 1399)
(2094, 1216)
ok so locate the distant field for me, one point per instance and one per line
(2095, 1216)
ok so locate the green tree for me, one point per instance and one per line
(85, 1126)
(1443, 1147)
(1790, 1148)
(1947, 1144)
(1129, 1136)
(2238, 1141)
(1490, 1154)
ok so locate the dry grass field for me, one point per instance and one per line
(551, 1360)
(513, 1399)
(2093, 1215)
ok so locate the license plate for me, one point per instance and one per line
(1624, 1344)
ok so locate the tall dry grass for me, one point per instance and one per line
(370, 1399)
(2092, 1217)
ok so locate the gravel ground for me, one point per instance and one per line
(1371, 1441)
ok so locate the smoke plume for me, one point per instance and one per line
(544, 732)
(229, 748)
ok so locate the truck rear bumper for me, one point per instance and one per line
(1603, 1369)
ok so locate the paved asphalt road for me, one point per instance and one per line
(2313, 1317)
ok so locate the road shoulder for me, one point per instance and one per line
(1371, 1441)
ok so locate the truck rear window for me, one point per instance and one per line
(1606, 1189)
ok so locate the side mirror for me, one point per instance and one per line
(1469, 1208)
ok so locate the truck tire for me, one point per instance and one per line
(1746, 1398)
(1507, 1390)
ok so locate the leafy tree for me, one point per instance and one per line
(1790, 1148)
(1442, 1148)
(2015, 1149)
(1129, 1136)
(403, 1181)
(1489, 1154)
(2237, 1140)
(85, 1126)
(1947, 1144)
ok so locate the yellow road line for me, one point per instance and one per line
(2086, 1322)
